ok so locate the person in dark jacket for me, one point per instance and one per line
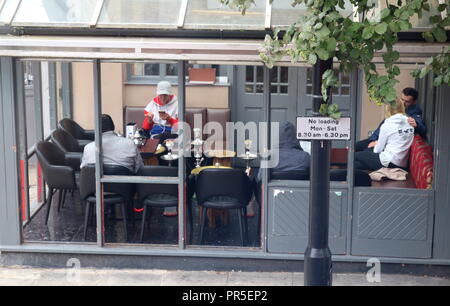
(414, 113)
(291, 155)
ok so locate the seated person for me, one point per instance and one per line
(291, 157)
(119, 151)
(161, 114)
(409, 99)
(392, 148)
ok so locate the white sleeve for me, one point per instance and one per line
(382, 139)
(86, 159)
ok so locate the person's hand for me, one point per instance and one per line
(164, 116)
(150, 116)
(372, 144)
(412, 122)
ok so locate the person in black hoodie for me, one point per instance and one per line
(413, 111)
(291, 157)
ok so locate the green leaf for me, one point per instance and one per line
(394, 27)
(368, 32)
(429, 61)
(404, 25)
(331, 44)
(324, 109)
(438, 80)
(312, 59)
(322, 54)
(439, 34)
(428, 37)
(354, 53)
(336, 115)
(381, 28)
(385, 13)
(324, 32)
(442, 7)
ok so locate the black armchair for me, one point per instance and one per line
(69, 145)
(57, 174)
(114, 193)
(82, 136)
(156, 195)
(224, 189)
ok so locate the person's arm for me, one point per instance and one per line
(138, 163)
(376, 133)
(420, 127)
(85, 160)
(148, 120)
(382, 140)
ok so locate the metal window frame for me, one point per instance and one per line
(97, 11)
(183, 11)
(53, 91)
(66, 76)
(102, 179)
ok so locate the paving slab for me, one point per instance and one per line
(197, 278)
(260, 278)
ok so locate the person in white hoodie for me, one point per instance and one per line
(161, 114)
(392, 148)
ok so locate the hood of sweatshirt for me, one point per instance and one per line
(288, 137)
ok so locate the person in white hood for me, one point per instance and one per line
(392, 148)
(161, 114)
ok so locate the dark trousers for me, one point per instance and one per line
(362, 145)
(368, 160)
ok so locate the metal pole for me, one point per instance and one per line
(53, 95)
(98, 152)
(182, 212)
(318, 266)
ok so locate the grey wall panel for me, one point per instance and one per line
(393, 222)
(289, 220)
(10, 227)
(441, 246)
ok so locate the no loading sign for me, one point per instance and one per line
(323, 128)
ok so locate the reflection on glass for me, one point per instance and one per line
(171, 69)
(151, 69)
(259, 88)
(283, 89)
(158, 12)
(284, 75)
(345, 79)
(345, 91)
(259, 74)
(212, 14)
(249, 74)
(283, 14)
(274, 89)
(274, 75)
(55, 11)
(9, 8)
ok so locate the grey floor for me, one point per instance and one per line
(104, 277)
(68, 226)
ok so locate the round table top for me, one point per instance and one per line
(220, 154)
(248, 156)
(196, 171)
(170, 157)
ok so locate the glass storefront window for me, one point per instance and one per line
(211, 14)
(160, 13)
(61, 12)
